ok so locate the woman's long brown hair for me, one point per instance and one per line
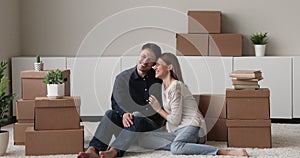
(169, 59)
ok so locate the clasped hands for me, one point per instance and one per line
(127, 119)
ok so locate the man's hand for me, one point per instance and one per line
(154, 103)
(127, 120)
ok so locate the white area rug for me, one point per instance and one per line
(285, 142)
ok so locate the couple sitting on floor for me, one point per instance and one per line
(143, 98)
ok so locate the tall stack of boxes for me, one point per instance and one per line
(47, 126)
(56, 127)
(213, 108)
(248, 118)
(32, 86)
(204, 37)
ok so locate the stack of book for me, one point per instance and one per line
(246, 79)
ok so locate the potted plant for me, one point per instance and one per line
(38, 65)
(259, 40)
(5, 102)
(55, 84)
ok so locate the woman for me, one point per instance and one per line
(180, 109)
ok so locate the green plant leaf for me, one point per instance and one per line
(37, 59)
(54, 77)
(259, 38)
(5, 99)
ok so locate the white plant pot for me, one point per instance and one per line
(260, 50)
(39, 66)
(4, 137)
(55, 91)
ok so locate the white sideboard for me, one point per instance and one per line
(92, 78)
(26, 63)
(207, 75)
(296, 87)
(277, 74)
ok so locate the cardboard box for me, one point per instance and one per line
(247, 93)
(249, 133)
(52, 114)
(204, 21)
(33, 83)
(216, 129)
(19, 132)
(225, 45)
(248, 104)
(25, 121)
(49, 142)
(192, 44)
(212, 105)
(25, 110)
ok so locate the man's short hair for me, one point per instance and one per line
(154, 48)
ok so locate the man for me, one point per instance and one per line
(130, 112)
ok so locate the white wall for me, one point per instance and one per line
(9, 29)
(114, 27)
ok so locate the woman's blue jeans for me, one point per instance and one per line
(183, 141)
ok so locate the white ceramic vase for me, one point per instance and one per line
(4, 137)
(260, 50)
(55, 91)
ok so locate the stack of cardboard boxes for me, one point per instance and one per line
(213, 108)
(47, 126)
(248, 118)
(56, 127)
(32, 86)
(204, 37)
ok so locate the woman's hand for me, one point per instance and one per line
(154, 103)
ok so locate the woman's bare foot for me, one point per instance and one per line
(89, 153)
(111, 153)
(233, 152)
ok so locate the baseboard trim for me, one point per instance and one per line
(289, 121)
(90, 118)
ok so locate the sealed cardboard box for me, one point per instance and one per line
(25, 121)
(204, 21)
(212, 105)
(216, 129)
(51, 114)
(225, 45)
(19, 132)
(248, 104)
(25, 110)
(247, 93)
(192, 44)
(33, 83)
(249, 133)
(49, 142)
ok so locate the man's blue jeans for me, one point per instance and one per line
(111, 124)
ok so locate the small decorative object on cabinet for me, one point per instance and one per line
(55, 84)
(38, 65)
(260, 41)
(5, 102)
